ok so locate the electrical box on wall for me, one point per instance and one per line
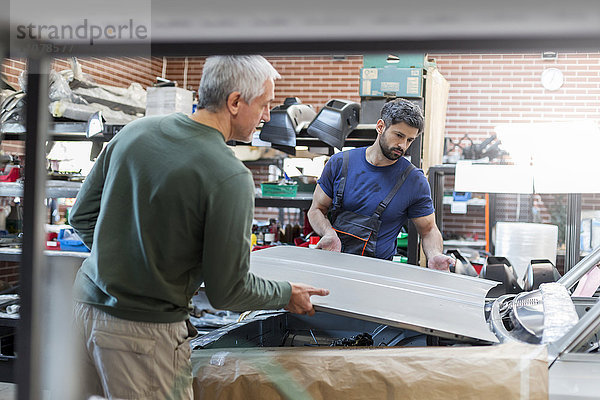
(391, 82)
(389, 75)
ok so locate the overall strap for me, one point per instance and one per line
(383, 205)
(339, 194)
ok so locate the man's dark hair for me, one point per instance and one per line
(400, 110)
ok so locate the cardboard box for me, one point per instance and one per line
(506, 371)
(167, 100)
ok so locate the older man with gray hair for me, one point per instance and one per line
(167, 207)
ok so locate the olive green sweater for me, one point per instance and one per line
(166, 207)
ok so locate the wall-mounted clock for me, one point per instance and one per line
(552, 78)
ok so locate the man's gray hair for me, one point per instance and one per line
(401, 110)
(223, 75)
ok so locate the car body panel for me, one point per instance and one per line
(401, 295)
(575, 376)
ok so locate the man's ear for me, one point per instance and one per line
(380, 126)
(233, 102)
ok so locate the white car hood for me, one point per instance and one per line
(401, 295)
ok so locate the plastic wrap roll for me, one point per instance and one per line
(559, 312)
(522, 242)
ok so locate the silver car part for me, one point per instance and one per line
(400, 295)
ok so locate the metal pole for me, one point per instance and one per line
(573, 230)
(413, 247)
(29, 328)
(492, 224)
(436, 184)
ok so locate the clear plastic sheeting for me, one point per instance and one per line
(216, 320)
(60, 89)
(81, 112)
(559, 312)
(9, 307)
(204, 315)
(506, 371)
(522, 242)
(131, 100)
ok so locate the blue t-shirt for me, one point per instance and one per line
(367, 185)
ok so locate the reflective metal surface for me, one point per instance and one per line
(575, 376)
(400, 295)
(528, 317)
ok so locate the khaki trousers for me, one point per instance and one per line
(133, 360)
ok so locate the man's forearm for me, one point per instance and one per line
(319, 222)
(432, 243)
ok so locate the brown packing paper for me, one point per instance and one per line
(506, 371)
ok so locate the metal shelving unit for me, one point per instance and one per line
(14, 254)
(60, 131)
(476, 32)
(362, 135)
(302, 201)
(54, 189)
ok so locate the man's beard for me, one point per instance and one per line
(389, 152)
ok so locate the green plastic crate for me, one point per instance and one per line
(276, 190)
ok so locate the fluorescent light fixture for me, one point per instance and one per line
(487, 178)
(562, 156)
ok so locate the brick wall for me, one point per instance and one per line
(11, 69)
(176, 71)
(590, 201)
(9, 273)
(317, 79)
(108, 71)
(13, 147)
(314, 79)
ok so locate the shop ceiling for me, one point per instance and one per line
(337, 26)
